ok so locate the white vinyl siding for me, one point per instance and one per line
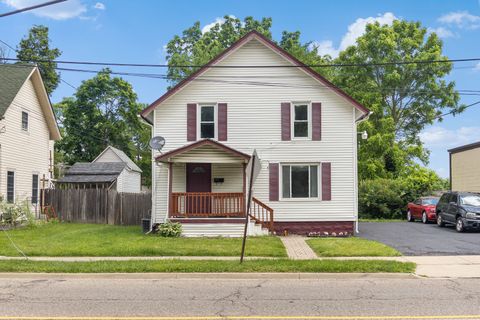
(254, 113)
(24, 152)
(129, 181)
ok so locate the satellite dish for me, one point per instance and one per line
(157, 143)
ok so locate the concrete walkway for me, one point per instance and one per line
(297, 248)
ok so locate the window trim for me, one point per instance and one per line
(319, 181)
(215, 120)
(309, 119)
(14, 186)
(28, 121)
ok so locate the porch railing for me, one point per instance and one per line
(261, 213)
(207, 204)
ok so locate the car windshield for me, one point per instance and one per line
(470, 200)
(428, 201)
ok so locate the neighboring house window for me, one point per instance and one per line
(24, 121)
(35, 188)
(300, 181)
(207, 121)
(301, 120)
(10, 186)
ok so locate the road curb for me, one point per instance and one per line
(232, 276)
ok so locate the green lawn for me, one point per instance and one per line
(69, 239)
(350, 247)
(281, 265)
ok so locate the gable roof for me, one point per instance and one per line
(270, 44)
(172, 153)
(12, 79)
(123, 157)
(92, 172)
(467, 147)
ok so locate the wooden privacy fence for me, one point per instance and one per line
(98, 205)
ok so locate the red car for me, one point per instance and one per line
(422, 208)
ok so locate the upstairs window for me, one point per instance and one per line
(24, 121)
(301, 120)
(10, 186)
(300, 181)
(207, 122)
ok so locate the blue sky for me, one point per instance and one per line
(136, 31)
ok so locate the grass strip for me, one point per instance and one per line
(281, 265)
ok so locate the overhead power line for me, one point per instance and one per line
(116, 64)
(49, 3)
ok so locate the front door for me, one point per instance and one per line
(199, 180)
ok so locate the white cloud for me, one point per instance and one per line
(61, 11)
(218, 21)
(477, 67)
(442, 32)
(437, 136)
(461, 19)
(355, 30)
(99, 6)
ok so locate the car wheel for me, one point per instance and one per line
(424, 217)
(409, 216)
(460, 226)
(440, 222)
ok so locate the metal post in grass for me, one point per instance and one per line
(254, 166)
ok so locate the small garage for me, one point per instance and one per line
(465, 168)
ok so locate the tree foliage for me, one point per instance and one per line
(404, 98)
(36, 46)
(104, 111)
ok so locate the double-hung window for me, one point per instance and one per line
(207, 121)
(35, 188)
(301, 127)
(300, 181)
(10, 186)
(24, 121)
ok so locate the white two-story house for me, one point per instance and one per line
(303, 128)
(28, 129)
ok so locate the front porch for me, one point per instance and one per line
(207, 184)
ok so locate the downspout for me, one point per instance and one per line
(154, 167)
(358, 121)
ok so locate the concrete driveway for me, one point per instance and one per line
(418, 239)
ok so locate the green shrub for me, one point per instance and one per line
(169, 229)
(15, 214)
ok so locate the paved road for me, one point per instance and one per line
(341, 296)
(415, 239)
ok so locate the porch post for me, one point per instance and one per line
(244, 187)
(170, 176)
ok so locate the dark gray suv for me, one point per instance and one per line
(459, 208)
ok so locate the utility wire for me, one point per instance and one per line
(49, 3)
(13, 243)
(367, 64)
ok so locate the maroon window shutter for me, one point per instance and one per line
(222, 122)
(273, 177)
(286, 123)
(316, 121)
(326, 181)
(191, 122)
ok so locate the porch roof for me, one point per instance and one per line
(205, 150)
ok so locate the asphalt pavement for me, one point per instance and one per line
(366, 296)
(418, 239)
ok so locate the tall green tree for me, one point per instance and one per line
(194, 48)
(104, 111)
(404, 98)
(36, 46)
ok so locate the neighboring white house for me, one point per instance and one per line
(28, 129)
(112, 169)
(130, 180)
(303, 128)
